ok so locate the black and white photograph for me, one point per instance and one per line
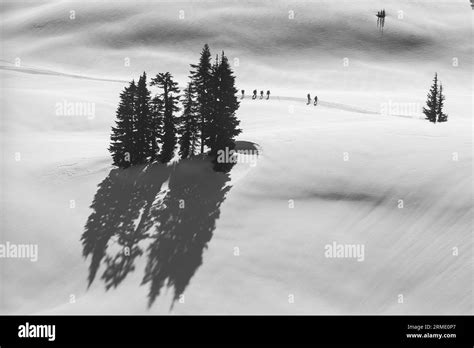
(236, 158)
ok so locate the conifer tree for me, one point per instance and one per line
(216, 106)
(189, 127)
(142, 121)
(432, 102)
(201, 77)
(225, 123)
(155, 127)
(169, 98)
(442, 117)
(122, 147)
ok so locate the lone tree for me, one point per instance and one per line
(169, 98)
(189, 125)
(432, 103)
(442, 117)
(122, 146)
(201, 79)
(224, 125)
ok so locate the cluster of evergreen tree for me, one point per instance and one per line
(434, 105)
(148, 128)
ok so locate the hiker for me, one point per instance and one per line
(309, 99)
(261, 94)
(254, 96)
(268, 95)
(243, 93)
(315, 100)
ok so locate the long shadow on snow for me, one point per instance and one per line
(132, 208)
(186, 221)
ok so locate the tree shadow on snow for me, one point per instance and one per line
(186, 221)
(115, 227)
(134, 214)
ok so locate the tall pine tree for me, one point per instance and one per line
(189, 125)
(432, 103)
(155, 130)
(122, 146)
(442, 117)
(201, 78)
(225, 124)
(169, 98)
(216, 106)
(142, 121)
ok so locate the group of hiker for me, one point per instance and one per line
(254, 95)
(315, 102)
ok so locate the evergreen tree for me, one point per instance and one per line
(155, 127)
(225, 123)
(142, 121)
(169, 98)
(122, 146)
(442, 117)
(201, 77)
(216, 105)
(432, 103)
(189, 128)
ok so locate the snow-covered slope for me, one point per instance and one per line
(288, 47)
(408, 251)
(332, 173)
